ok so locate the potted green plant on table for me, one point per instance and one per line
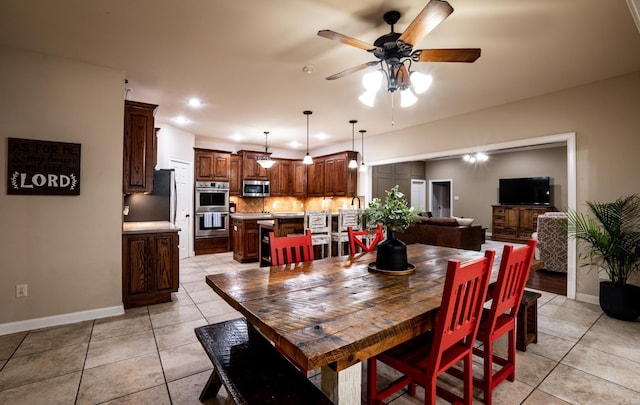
(610, 235)
(396, 216)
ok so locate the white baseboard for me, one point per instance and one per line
(591, 299)
(56, 320)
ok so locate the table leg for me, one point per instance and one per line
(343, 387)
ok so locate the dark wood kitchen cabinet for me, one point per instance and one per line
(280, 178)
(299, 188)
(251, 170)
(150, 269)
(235, 174)
(330, 176)
(212, 165)
(246, 240)
(315, 178)
(139, 147)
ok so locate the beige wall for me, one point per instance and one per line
(476, 186)
(66, 248)
(604, 116)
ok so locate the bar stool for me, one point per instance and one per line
(319, 223)
(346, 218)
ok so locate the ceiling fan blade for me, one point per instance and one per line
(446, 55)
(430, 17)
(346, 40)
(353, 70)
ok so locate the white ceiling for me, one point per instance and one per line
(244, 58)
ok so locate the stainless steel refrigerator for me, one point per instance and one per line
(159, 205)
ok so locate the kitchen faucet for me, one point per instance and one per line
(354, 197)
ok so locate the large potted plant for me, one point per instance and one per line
(396, 216)
(610, 237)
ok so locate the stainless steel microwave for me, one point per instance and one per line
(255, 188)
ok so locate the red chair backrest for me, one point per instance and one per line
(463, 296)
(514, 272)
(290, 249)
(354, 240)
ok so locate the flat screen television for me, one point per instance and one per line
(525, 191)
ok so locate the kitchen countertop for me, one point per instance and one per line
(251, 215)
(266, 222)
(271, 215)
(130, 228)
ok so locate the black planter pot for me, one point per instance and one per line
(620, 302)
(392, 253)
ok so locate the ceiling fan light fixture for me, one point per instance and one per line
(420, 82)
(372, 81)
(407, 98)
(368, 98)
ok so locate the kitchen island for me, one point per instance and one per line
(150, 262)
(250, 232)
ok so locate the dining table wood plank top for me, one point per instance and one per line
(336, 312)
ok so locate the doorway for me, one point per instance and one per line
(183, 205)
(440, 197)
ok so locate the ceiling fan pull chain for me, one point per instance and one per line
(393, 122)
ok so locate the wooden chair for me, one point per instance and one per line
(367, 240)
(319, 223)
(423, 358)
(290, 249)
(500, 318)
(346, 218)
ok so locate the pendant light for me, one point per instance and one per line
(353, 163)
(307, 158)
(363, 167)
(264, 160)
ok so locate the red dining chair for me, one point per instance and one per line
(501, 317)
(422, 359)
(290, 249)
(354, 239)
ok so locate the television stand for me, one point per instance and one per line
(516, 223)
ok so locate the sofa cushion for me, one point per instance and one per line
(442, 221)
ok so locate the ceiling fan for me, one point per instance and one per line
(395, 50)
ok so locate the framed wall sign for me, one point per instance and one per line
(43, 167)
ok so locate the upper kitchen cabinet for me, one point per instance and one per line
(235, 174)
(315, 178)
(330, 176)
(280, 178)
(212, 165)
(251, 170)
(139, 141)
(299, 188)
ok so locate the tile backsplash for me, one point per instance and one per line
(293, 204)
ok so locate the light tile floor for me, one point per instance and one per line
(150, 355)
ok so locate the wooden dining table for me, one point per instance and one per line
(336, 312)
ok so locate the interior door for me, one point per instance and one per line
(183, 206)
(419, 194)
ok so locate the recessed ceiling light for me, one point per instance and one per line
(309, 69)
(295, 144)
(236, 137)
(181, 120)
(195, 103)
